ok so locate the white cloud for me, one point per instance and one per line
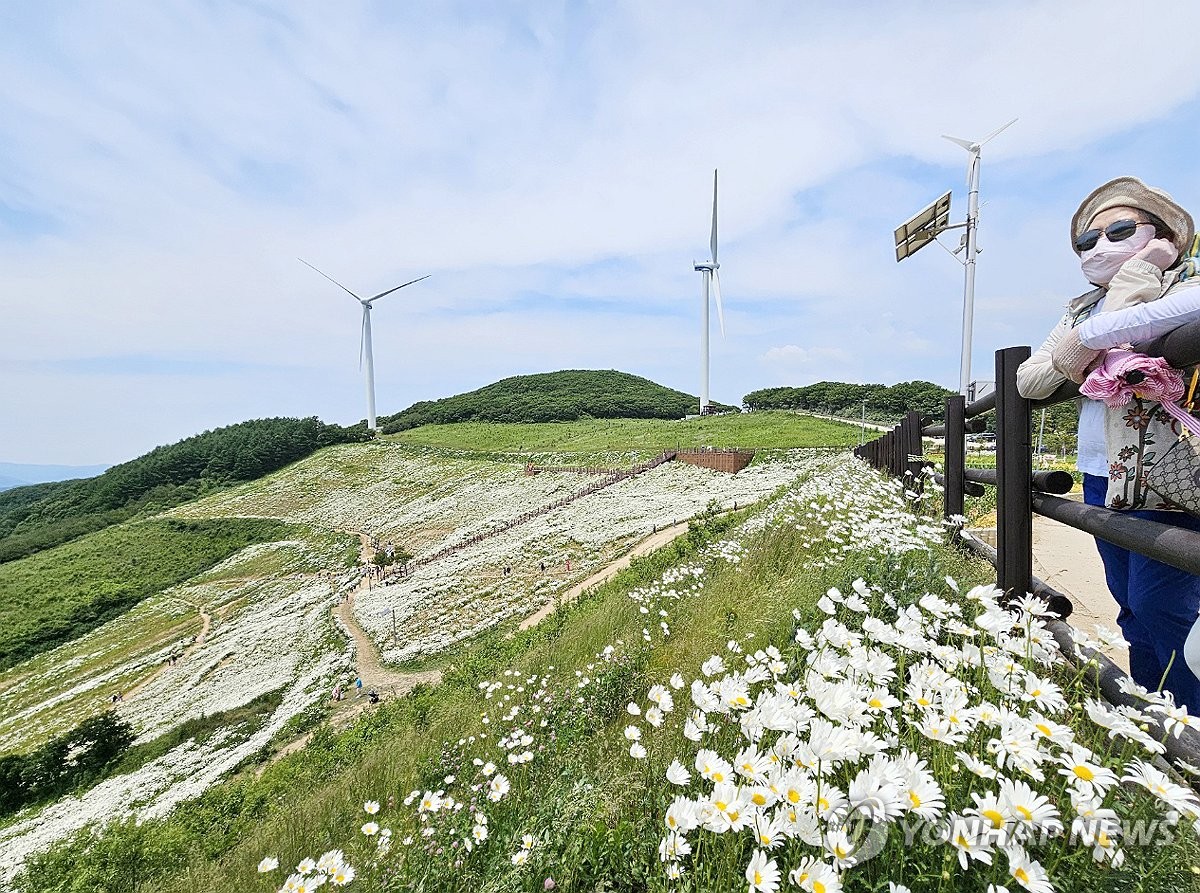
(163, 166)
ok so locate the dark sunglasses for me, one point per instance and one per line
(1114, 232)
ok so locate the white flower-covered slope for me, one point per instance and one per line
(467, 591)
(901, 740)
(271, 629)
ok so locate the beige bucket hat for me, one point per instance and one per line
(1131, 192)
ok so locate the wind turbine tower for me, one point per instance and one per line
(709, 278)
(364, 342)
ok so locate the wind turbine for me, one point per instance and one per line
(364, 341)
(709, 275)
(964, 371)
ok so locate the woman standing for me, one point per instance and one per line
(1130, 239)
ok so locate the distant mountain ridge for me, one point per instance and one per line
(565, 396)
(17, 474)
(38, 516)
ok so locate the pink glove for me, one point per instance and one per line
(1159, 252)
(1072, 358)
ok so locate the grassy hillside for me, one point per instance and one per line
(551, 397)
(62, 593)
(569, 745)
(44, 515)
(765, 430)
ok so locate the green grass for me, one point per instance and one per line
(62, 593)
(763, 430)
(596, 815)
(306, 800)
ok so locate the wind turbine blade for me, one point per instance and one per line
(966, 144)
(362, 335)
(397, 288)
(998, 131)
(716, 281)
(331, 279)
(712, 242)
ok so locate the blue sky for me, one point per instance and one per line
(163, 165)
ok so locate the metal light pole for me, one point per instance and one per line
(968, 322)
(969, 242)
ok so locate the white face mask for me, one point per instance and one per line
(1100, 263)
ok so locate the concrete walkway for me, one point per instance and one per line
(1067, 559)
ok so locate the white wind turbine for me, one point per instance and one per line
(710, 275)
(364, 343)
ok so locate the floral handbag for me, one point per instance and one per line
(1176, 474)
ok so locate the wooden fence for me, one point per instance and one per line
(1021, 492)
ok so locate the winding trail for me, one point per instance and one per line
(606, 573)
(205, 627)
(370, 670)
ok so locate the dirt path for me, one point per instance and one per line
(205, 626)
(370, 670)
(645, 547)
(1067, 559)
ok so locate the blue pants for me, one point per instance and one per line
(1159, 605)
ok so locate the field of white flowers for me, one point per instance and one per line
(270, 634)
(269, 605)
(902, 735)
(467, 591)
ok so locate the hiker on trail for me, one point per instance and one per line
(337, 692)
(1136, 247)
(358, 686)
(543, 566)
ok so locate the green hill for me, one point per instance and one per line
(884, 403)
(44, 515)
(564, 396)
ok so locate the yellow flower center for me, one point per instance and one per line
(924, 702)
(1022, 875)
(793, 796)
(759, 798)
(757, 878)
(840, 851)
(1025, 813)
(876, 703)
(914, 799)
(822, 803)
(1103, 840)
(995, 817)
(962, 841)
(1045, 730)
(818, 887)
(1084, 772)
(718, 776)
(721, 805)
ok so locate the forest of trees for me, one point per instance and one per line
(72, 759)
(552, 397)
(886, 404)
(44, 515)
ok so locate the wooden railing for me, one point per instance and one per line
(1021, 492)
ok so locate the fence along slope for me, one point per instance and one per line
(1020, 493)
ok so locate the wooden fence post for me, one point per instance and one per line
(1014, 477)
(913, 446)
(956, 456)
